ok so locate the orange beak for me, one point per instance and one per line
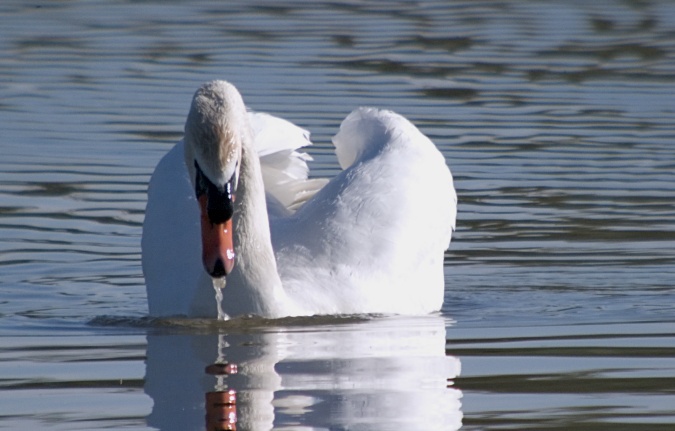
(217, 244)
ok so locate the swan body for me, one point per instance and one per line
(369, 240)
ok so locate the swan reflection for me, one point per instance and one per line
(385, 373)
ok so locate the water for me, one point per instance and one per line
(218, 286)
(556, 117)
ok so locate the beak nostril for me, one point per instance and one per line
(218, 269)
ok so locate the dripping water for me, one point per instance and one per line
(218, 286)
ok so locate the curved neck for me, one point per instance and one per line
(254, 285)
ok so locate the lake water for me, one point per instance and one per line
(556, 117)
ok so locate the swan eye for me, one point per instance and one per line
(220, 200)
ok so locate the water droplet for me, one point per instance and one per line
(218, 286)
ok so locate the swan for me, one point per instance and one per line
(233, 199)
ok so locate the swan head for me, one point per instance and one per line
(216, 127)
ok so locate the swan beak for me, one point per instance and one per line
(217, 244)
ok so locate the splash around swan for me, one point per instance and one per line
(234, 199)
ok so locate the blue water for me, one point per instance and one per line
(556, 118)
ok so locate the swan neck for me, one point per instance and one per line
(255, 265)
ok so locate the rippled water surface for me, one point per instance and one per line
(556, 117)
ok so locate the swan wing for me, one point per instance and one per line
(285, 170)
(375, 235)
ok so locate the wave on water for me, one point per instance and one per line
(240, 323)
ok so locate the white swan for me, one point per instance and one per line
(371, 240)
